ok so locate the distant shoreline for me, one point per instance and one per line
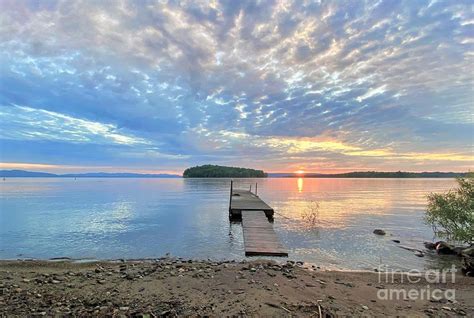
(349, 175)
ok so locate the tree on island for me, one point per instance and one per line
(451, 214)
(214, 171)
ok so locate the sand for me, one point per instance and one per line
(175, 287)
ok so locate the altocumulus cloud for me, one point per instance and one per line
(321, 85)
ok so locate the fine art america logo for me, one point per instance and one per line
(422, 284)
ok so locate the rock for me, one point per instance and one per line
(468, 251)
(445, 248)
(419, 254)
(461, 312)
(458, 250)
(130, 276)
(396, 241)
(379, 232)
(24, 280)
(365, 307)
(430, 246)
(468, 266)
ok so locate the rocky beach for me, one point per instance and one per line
(177, 287)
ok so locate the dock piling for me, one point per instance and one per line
(230, 197)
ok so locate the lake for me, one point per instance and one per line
(105, 218)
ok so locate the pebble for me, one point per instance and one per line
(365, 307)
(461, 312)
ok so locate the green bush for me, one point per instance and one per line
(451, 214)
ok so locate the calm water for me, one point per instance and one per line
(146, 218)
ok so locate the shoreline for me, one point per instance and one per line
(307, 265)
(179, 287)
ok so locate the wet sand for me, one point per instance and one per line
(175, 287)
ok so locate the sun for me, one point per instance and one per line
(299, 172)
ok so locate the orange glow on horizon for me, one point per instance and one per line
(300, 172)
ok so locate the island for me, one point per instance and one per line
(215, 171)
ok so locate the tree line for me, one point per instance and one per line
(214, 171)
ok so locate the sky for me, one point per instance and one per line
(157, 86)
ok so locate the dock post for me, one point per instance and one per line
(256, 191)
(230, 197)
(250, 188)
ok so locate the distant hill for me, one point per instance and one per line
(119, 175)
(32, 174)
(214, 171)
(23, 173)
(373, 174)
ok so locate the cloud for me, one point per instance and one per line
(26, 123)
(386, 80)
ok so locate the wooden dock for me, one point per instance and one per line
(259, 236)
(241, 200)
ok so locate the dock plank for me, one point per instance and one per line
(259, 235)
(246, 200)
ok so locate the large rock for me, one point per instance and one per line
(468, 266)
(445, 248)
(430, 246)
(379, 232)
